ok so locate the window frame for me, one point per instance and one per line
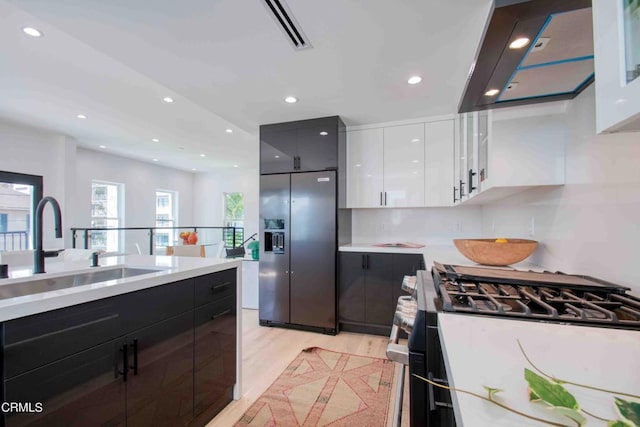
(35, 181)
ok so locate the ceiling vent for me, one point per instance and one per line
(287, 23)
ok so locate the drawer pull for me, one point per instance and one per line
(215, 316)
(125, 363)
(220, 286)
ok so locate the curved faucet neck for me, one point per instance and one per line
(38, 253)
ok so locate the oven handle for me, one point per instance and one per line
(397, 352)
(397, 410)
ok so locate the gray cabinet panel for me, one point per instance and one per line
(352, 283)
(378, 291)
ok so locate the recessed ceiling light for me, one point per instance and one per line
(519, 43)
(201, 155)
(324, 133)
(155, 140)
(32, 32)
(103, 146)
(415, 161)
(414, 80)
(291, 100)
(415, 140)
(81, 116)
(277, 157)
(229, 130)
(492, 92)
(235, 166)
(155, 160)
(167, 99)
(358, 165)
(193, 169)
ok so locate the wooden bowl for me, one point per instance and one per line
(490, 252)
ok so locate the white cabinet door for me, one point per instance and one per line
(404, 166)
(365, 168)
(439, 163)
(616, 25)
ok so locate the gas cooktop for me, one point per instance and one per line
(535, 295)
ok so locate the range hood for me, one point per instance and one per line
(556, 64)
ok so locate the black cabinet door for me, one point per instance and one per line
(352, 282)
(379, 304)
(215, 357)
(160, 383)
(85, 389)
(278, 149)
(318, 147)
(404, 265)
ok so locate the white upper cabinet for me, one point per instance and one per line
(365, 168)
(439, 186)
(404, 166)
(617, 64)
(513, 151)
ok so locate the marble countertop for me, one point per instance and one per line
(169, 269)
(484, 351)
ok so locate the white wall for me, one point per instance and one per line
(208, 206)
(591, 225)
(34, 152)
(416, 225)
(141, 180)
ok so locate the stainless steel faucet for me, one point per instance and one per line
(38, 253)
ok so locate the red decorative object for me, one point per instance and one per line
(193, 238)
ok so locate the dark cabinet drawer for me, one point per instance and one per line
(80, 390)
(43, 338)
(152, 305)
(213, 287)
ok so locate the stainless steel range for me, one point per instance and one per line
(500, 292)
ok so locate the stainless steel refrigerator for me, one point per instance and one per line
(298, 243)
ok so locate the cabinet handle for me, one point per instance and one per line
(367, 263)
(134, 346)
(385, 198)
(462, 189)
(363, 262)
(125, 363)
(455, 192)
(381, 199)
(471, 175)
(215, 316)
(222, 285)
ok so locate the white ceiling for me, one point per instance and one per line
(227, 65)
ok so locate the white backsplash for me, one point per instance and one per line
(416, 225)
(591, 225)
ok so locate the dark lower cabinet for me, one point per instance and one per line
(370, 284)
(181, 364)
(86, 389)
(215, 361)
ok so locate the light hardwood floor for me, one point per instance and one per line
(268, 351)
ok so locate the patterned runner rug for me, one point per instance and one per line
(325, 388)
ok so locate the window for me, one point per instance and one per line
(233, 217)
(166, 216)
(106, 211)
(19, 194)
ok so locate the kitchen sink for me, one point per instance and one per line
(37, 286)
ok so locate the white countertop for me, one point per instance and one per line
(483, 351)
(170, 269)
(369, 247)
